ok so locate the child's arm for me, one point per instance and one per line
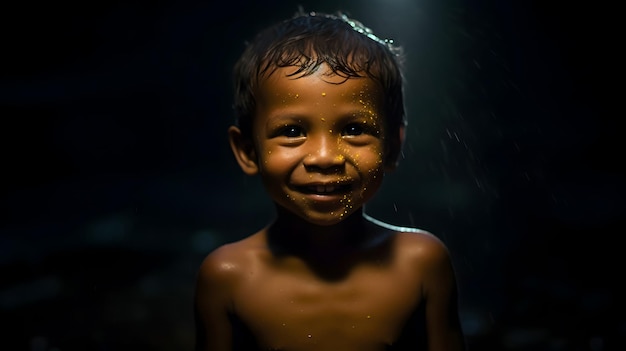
(440, 289)
(212, 301)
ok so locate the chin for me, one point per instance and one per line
(326, 219)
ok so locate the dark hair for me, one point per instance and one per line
(307, 41)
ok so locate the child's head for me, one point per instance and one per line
(320, 112)
(308, 41)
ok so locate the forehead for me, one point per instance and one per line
(321, 85)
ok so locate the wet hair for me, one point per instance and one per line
(308, 40)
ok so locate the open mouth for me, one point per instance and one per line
(325, 189)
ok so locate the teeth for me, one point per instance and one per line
(322, 189)
(325, 188)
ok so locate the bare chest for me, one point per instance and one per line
(366, 310)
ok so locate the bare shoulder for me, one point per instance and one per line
(219, 276)
(414, 243)
(226, 263)
(422, 244)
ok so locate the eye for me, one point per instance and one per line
(353, 129)
(291, 131)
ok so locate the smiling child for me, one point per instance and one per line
(320, 119)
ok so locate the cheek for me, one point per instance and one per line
(276, 160)
(266, 159)
(369, 158)
(369, 163)
(373, 174)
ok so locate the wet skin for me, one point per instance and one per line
(321, 276)
(319, 143)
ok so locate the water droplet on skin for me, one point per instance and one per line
(368, 316)
(309, 335)
(323, 94)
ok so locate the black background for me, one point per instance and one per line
(118, 180)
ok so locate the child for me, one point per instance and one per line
(320, 119)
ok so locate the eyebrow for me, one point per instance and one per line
(285, 116)
(349, 115)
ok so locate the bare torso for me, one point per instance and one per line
(369, 299)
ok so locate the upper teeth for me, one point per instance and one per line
(324, 188)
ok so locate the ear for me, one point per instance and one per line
(243, 149)
(394, 148)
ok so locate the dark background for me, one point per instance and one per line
(117, 177)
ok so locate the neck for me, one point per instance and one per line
(291, 234)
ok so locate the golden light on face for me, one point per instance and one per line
(319, 140)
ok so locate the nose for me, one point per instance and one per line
(324, 154)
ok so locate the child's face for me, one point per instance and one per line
(319, 143)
